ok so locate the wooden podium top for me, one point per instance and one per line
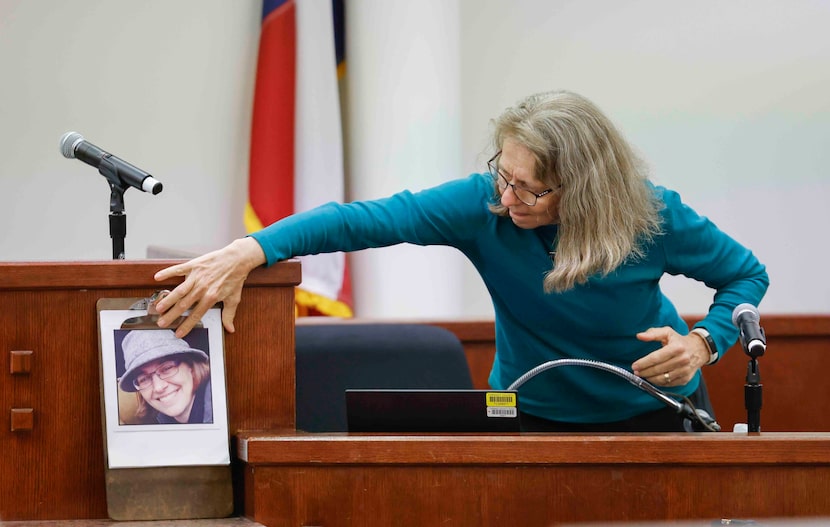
(724, 448)
(120, 274)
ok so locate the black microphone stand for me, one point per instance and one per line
(118, 219)
(753, 388)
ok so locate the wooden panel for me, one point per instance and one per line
(530, 495)
(224, 522)
(797, 347)
(56, 471)
(259, 360)
(532, 479)
(61, 460)
(770, 448)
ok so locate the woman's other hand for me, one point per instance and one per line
(676, 362)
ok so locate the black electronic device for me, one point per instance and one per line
(433, 410)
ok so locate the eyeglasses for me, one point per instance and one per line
(164, 372)
(526, 196)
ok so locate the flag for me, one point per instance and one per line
(296, 160)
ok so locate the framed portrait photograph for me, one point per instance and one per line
(164, 399)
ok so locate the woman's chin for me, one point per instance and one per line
(531, 221)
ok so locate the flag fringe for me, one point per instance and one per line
(307, 301)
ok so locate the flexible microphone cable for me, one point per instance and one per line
(686, 408)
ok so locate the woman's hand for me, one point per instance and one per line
(674, 364)
(214, 277)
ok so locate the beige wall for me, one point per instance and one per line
(726, 100)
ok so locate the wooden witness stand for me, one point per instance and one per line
(53, 466)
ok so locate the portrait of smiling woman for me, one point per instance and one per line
(169, 377)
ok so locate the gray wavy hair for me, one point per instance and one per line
(607, 212)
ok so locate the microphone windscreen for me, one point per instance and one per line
(749, 309)
(68, 142)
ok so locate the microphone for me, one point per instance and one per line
(746, 318)
(73, 145)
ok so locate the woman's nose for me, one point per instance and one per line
(158, 382)
(513, 200)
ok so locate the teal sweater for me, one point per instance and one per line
(597, 320)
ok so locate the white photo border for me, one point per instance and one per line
(164, 445)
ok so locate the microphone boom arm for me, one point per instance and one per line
(639, 382)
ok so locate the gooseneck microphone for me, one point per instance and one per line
(116, 170)
(695, 419)
(746, 318)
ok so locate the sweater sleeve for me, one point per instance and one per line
(697, 248)
(446, 214)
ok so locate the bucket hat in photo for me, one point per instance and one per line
(146, 345)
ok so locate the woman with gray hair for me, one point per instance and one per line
(571, 239)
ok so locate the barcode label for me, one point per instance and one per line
(501, 399)
(501, 411)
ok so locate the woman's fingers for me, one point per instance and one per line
(214, 277)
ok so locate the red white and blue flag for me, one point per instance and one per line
(296, 160)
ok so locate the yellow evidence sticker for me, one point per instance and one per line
(501, 399)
